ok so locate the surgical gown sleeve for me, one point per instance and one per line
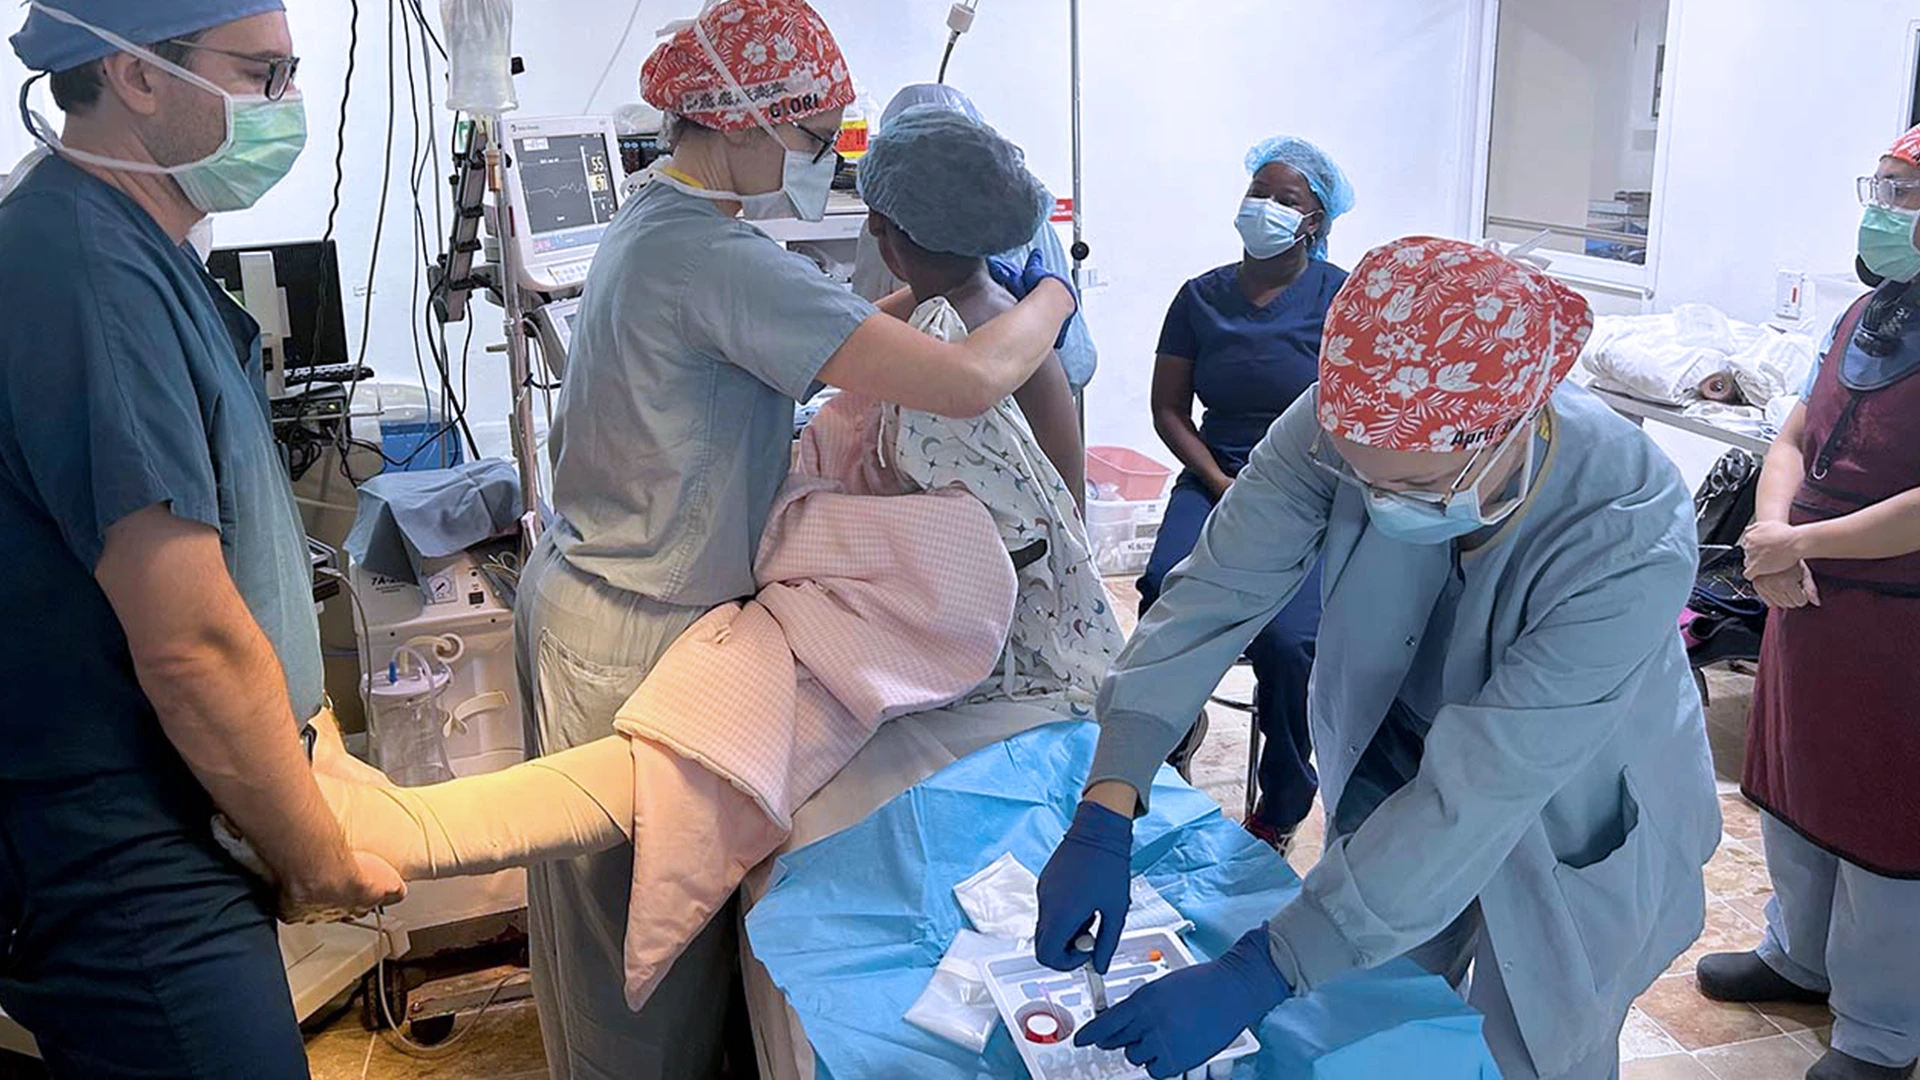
(1250, 559)
(1596, 625)
(768, 311)
(108, 422)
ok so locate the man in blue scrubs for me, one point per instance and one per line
(156, 602)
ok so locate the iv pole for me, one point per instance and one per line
(1080, 249)
(526, 439)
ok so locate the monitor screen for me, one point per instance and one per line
(310, 274)
(570, 188)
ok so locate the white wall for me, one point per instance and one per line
(1776, 106)
(1171, 105)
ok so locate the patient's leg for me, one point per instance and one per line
(572, 803)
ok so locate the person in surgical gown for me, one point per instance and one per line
(873, 280)
(697, 335)
(1508, 731)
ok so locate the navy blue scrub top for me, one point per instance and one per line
(127, 379)
(1249, 363)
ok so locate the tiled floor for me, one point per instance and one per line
(1674, 1033)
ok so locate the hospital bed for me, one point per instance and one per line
(999, 769)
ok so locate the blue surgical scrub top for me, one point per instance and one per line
(697, 335)
(1249, 363)
(127, 379)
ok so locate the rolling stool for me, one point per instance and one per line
(1252, 708)
(1182, 757)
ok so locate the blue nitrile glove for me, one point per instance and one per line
(1090, 874)
(1021, 281)
(1180, 1022)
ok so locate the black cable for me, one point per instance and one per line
(947, 58)
(333, 211)
(421, 17)
(348, 442)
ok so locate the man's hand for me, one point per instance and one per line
(1790, 589)
(221, 699)
(349, 891)
(1772, 547)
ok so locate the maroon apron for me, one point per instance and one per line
(1834, 745)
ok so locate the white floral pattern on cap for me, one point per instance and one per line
(1438, 345)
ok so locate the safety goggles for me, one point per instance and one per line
(280, 69)
(826, 145)
(1329, 461)
(1889, 194)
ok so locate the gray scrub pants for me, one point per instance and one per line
(583, 647)
(1834, 927)
(1463, 955)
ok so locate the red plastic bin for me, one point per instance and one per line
(1137, 476)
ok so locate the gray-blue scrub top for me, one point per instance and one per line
(128, 379)
(696, 337)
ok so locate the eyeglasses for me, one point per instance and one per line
(1329, 461)
(826, 144)
(280, 69)
(1889, 194)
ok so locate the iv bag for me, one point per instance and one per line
(479, 55)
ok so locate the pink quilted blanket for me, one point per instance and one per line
(873, 603)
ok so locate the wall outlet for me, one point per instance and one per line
(1792, 296)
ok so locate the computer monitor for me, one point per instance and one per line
(564, 175)
(293, 292)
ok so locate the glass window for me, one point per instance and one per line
(1576, 124)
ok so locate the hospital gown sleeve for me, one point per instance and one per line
(768, 311)
(108, 422)
(1554, 698)
(1255, 550)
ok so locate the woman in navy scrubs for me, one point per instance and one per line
(1245, 340)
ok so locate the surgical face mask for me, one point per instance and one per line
(1886, 243)
(1269, 229)
(1413, 520)
(805, 183)
(263, 137)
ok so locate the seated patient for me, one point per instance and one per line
(1061, 633)
(946, 191)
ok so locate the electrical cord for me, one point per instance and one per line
(394, 1037)
(959, 21)
(614, 60)
(333, 210)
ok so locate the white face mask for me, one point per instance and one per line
(805, 183)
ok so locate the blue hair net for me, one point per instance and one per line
(1329, 184)
(929, 94)
(952, 184)
(47, 44)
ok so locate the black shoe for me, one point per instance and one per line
(1839, 1066)
(1745, 978)
(1182, 757)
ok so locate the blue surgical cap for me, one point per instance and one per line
(952, 184)
(1329, 184)
(47, 44)
(929, 94)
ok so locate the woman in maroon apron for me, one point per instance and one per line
(1833, 756)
